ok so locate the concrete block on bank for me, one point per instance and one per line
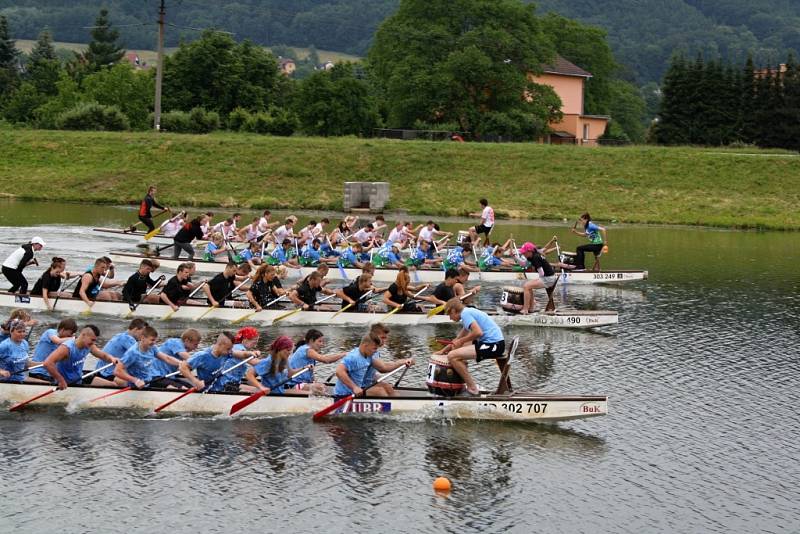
(366, 195)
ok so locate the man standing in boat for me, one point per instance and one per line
(480, 339)
(17, 261)
(148, 203)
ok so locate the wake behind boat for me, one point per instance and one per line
(534, 408)
(564, 318)
(421, 275)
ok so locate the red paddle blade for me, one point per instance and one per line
(117, 392)
(176, 399)
(333, 407)
(244, 403)
(22, 404)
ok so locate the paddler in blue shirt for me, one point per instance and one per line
(179, 348)
(208, 364)
(269, 374)
(65, 364)
(354, 370)
(14, 352)
(120, 343)
(479, 339)
(49, 341)
(137, 367)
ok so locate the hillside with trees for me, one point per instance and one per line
(643, 34)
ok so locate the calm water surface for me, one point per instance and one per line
(702, 374)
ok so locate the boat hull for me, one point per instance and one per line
(412, 402)
(426, 276)
(560, 319)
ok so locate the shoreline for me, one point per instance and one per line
(527, 184)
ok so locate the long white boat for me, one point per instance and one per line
(561, 319)
(136, 235)
(422, 275)
(534, 408)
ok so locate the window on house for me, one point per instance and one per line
(585, 132)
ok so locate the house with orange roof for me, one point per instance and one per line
(575, 127)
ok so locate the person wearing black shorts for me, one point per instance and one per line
(479, 339)
(486, 225)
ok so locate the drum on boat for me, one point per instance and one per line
(567, 258)
(442, 378)
(512, 299)
(463, 237)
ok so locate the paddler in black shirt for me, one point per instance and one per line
(445, 290)
(546, 280)
(305, 294)
(139, 282)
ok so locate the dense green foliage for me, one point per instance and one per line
(104, 48)
(643, 34)
(464, 61)
(710, 103)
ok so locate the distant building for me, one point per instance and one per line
(134, 59)
(780, 71)
(328, 65)
(568, 81)
(287, 66)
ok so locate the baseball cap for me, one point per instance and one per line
(37, 241)
(527, 247)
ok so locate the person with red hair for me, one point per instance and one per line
(244, 346)
(272, 372)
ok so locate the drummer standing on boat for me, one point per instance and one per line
(17, 261)
(480, 339)
(487, 222)
(148, 203)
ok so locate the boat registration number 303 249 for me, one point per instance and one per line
(519, 407)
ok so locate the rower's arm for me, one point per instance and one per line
(385, 367)
(325, 358)
(46, 298)
(387, 299)
(341, 374)
(98, 353)
(165, 299)
(211, 300)
(253, 380)
(295, 299)
(605, 236)
(253, 300)
(50, 365)
(122, 373)
(339, 293)
(166, 358)
(84, 283)
(186, 372)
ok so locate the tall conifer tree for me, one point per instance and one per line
(8, 59)
(104, 50)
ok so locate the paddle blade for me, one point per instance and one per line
(212, 308)
(242, 404)
(22, 404)
(437, 310)
(333, 407)
(176, 399)
(340, 311)
(243, 318)
(123, 390)
(168, 316)
(86, 313)
(343, 273)
(390, 314)
(285, 315)
(150, 235)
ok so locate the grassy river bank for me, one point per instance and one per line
(745, 188)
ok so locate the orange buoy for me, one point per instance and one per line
(442, 484)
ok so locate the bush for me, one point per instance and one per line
(176, 121)
(277, 122)
(202, 121)
(237, 120)
(93, 116)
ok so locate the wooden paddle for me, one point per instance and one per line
(22, 404)
(212, 308)
(401, 307)
(368, 293)
(248, 315)
(205, 389)
(123, 390)
(299, 309)
(242, 404)
(344, 400)
(516, 253)
(134, 306)
(438, 309)
(64, 288)
(172, 312)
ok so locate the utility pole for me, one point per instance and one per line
(160, 66)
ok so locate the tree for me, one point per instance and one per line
(459, 61)
(8, 59)
(104, 50)
(627, 110)
(218, 74)
(122, 86)
(335, 102)
(44, 67)
(674, 119)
